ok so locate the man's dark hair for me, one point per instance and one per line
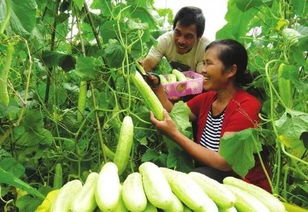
(187, 16)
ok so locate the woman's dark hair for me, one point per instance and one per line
(187, 16)
(234, 53)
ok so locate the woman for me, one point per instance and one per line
(223, 110)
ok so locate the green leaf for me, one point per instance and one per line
(149, 155)
(245, 5)
(180, 160)
(87, 68)
(31, 131)
(299, 7)
(23, 16)
(238, 150)
(242, 19)
(27, 203)
(13, 166)
(10, 179)
(104, 5)
(133, 25)
(180, 114)
(114, 54)
(79, 3)
(108, 30)
(154, 156)
(291, 126)
(56, 58)
(144, 15)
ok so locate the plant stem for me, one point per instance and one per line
(99, 129)
(52, 46)
(7, 16)
(272, 119)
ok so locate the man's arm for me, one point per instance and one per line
(148, 64)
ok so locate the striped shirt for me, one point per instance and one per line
(211, 134)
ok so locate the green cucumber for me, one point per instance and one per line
(215, 190)
(156, 186)
(133, 194)
(125, 143)
(108, 187)
(273, 203)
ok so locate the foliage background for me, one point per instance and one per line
(68, 93)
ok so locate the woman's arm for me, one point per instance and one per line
(160, 93)
(200, 153)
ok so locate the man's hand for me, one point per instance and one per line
(148, 63)
(152, 79)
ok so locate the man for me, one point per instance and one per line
(184, 46)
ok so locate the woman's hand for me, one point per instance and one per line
(167, 125)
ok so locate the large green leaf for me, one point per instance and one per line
(87, 68)
(10, 179)
(239, 149)
(291, 126)
(238, 23)
(177, 158)
(300, 7)
(108, 30)
(114, 54)
(56, 58)
(180, 114)
(27, 203)
(245, 5)
(104, 5)
(11, 165)
(144, 15)
(31, 132)
(23, 16)
(79, 3)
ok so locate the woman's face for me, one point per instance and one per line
(214, 73)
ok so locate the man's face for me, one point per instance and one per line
(185, 37)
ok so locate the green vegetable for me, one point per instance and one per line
(179, 75)
(58, 178)
(188, 191)
(294, 208)
(265, 197)
(284, 86)
(109, 153)
(232, 209)
(215, 190)
(150, 208)
(187, 209)
(149, 96)
(156, 186)
(176, 205)
(108, 188)
(4, 72)
(85, 200)
(163, 79)
(47, 202)
(125, 143)
(120, 207)
(65, 196)
(133, 194)
(82, 100)
(171, 78)
(246, 202)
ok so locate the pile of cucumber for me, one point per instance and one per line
(156, 188)
(174, 76)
